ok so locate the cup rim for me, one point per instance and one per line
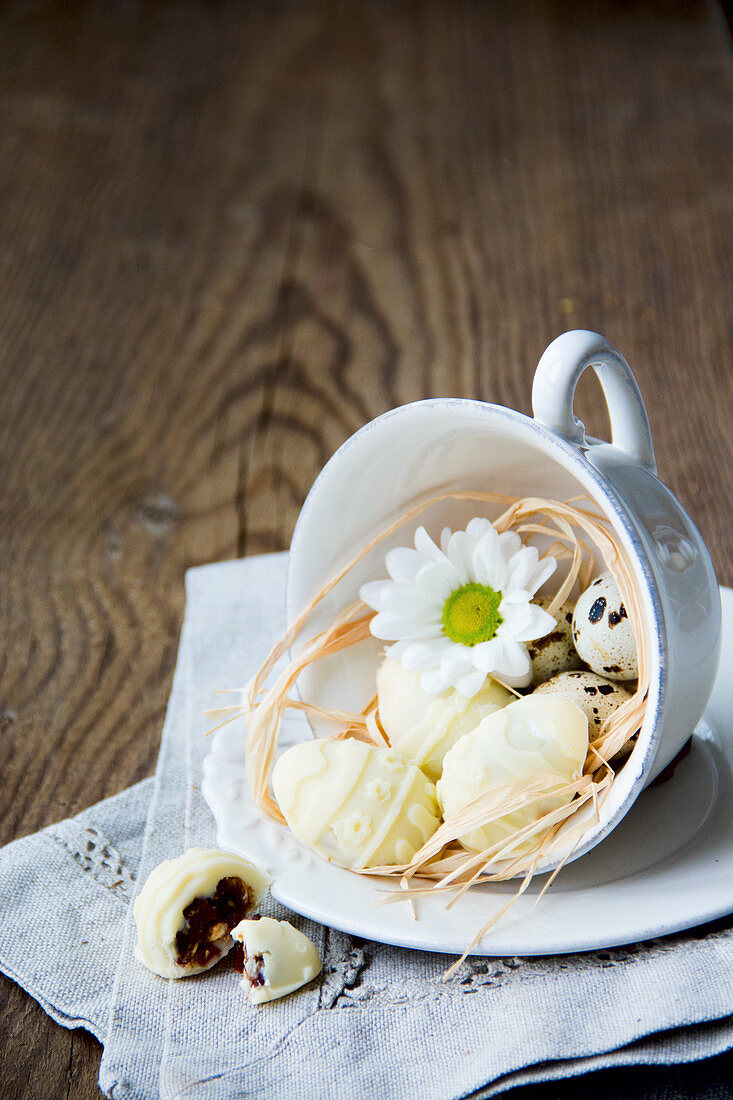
(573, 458)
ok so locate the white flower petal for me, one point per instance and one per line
(515, 663)
(516, 618)
(454, 663)
(486, 655)
(521, 567)
(460, 552)
(409, 601)
(517, 681)
(425, 545)
(403, 563)
(518, 597)
(543, 572)
(424, 654)
(509, 543)
(391, 628)
(478, 527)
(438, 579)
(488, 563)
(371, 593)
(434, 682)
(445, 535)
(471, 684)
(539, 623)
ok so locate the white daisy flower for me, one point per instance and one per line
(462, 611)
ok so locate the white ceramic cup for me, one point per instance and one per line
(420, 450)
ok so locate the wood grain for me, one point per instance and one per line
(230, 234)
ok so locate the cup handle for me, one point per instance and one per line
(553, 391)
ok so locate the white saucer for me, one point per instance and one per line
(666, 867)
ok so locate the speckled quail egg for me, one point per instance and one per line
(555, 652)
(596, 696)
(602, 632)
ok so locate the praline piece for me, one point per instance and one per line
(188, 906)
(355, 804)
(602, 632)
(276, 958)
(537, 734)
(424, 727)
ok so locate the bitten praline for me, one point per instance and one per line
(276, 958)
(188, 906)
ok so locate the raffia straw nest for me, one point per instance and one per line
(442, 864)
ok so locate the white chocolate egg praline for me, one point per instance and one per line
(188, 906)
(276, 958)
(355, 804)
(424, 727)
(536, 734)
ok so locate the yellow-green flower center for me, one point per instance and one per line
(471, 614)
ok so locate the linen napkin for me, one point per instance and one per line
(379, 1020)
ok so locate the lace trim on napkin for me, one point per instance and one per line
(94, 853)
(344, 966)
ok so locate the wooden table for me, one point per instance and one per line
(230, 234)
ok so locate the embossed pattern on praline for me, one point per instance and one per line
(378, 789)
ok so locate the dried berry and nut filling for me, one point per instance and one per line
(237, 956)
(250, 967)
(211, 919)
(254, 969)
